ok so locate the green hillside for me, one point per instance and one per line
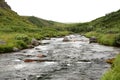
(106, 29)
(17, 31)
(108, 22)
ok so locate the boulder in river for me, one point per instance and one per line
(66, 39)
(15, 49)
(110, 61)
(35, 42)
(30, 46)
(93, 39)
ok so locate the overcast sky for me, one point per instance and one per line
(65, 10)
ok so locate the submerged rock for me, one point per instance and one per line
(29, 60)
(67, 39)
(41, 55)
(36, 60)
(110, 61)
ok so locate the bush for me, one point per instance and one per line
(20, 44)
(38, 36)
(117, 40)
(22, 37)
(6, 48)
(92, 33)
(107, 39)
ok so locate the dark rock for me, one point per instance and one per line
(4, 5)
(36, 60)
(37, 48)
(32, 77)
(66, 39)
(29, 60)
(93, 39)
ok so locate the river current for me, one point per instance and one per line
(74, 60)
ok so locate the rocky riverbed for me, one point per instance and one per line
(75, 59)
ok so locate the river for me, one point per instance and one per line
(73, 60)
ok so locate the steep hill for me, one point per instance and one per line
(17, 31)
(107, 28)
(109, 22)
(4, 5)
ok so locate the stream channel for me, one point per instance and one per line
(74, 60)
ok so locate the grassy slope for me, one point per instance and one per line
(114, 72)
(106, 29)
(17, 31)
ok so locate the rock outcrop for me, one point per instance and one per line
(4, 5)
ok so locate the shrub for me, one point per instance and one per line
(107, 39)
(92, 33)
(22, 37)
(117, 40)
(20, 44)
(6, 48)
(38, 36)
(114, 73)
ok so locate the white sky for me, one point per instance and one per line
(65, 10)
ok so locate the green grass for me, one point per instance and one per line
(114, 72)
(18, 31)
(106, 28)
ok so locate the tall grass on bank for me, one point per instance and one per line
(21, 40)
(105, 39)
(114, 72)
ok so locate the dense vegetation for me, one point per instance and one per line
(17, 31)
(106, 29)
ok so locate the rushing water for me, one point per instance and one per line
(74, 60)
